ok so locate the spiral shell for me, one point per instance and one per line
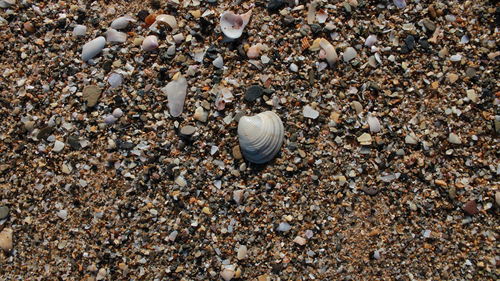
(260, 136)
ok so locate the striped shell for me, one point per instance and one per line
(260, 136)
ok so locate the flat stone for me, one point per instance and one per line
(429, 24)
(44, 132)
(91, 95)
(452, 77)
(188, 130)
(253, 92)
(4, 212)
(237, 152)
(370, 190)
(453, 138)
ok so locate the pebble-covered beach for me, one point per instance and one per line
(249, 140)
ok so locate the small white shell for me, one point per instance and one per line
(93, 48)
(176, 94)
(162, 20)
(112, 35)
(150, 43)
(260, 136)
(122, 22)
(232, 25)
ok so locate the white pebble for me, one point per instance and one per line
(79, 30)
(115, 80)
(117, 113)
(63, 214)
(310, 112)
(93, 48)
(242, 252)
(457, 57)
(374, 124)
(453, 138)
(349, 54)
(294, 67)
(371, 40)
(284, 227)
(218, 62)
(58, 146)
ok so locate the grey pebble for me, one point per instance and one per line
(4, 212)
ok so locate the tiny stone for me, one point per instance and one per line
(310, 112)
(365, 139)
(227, 274)
(91, 95)
(200, 114)
(471, 207)
(370, 190)
(471, 94)
(497, 197)
(253, 92)
(294, 67)
(284, 227)
(242, 252)
(456, 58)
(300, 240)
(62, 214)
(452, 77)
(6, 239)
(188, 130)
(349, 54)
(453, 138)
(411, 139)
(238, 196)
(117, 113)
(237, 152)
(4, 212)
(58, 146)
(357, 107)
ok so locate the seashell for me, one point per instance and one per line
(112, 35)
(400, 3)
(218, 62)
(331, 54)
(260, 136)
(122, 22)
(371, 40)
(374, 123)
(164, 20)
(79, 30)
(311, 12)
(150, 43)
(321, 16)
(232, 25)
(93, 48)
(176, 94)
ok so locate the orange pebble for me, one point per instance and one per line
(150, 19)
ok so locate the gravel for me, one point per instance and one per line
(391, 124)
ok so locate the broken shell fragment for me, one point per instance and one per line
(260, 136)
(113, 35)
(331, 54)
(232, 25)
(150, 43)
(93, 48)
(162, 20)
(122, 22)
(176, 94)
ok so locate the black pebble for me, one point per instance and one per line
(253, 92)
(142, 15)
(410, 42)
(275, 5)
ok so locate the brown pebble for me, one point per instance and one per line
(29, 27)
(471, 207)
(237, 152)
(150, 19)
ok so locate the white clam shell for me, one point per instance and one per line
(176, 94)
(260, 136)
(164, 20)
(232, 25)
(93, 48)
(112, 35)
(150, 43)
(122, 22)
